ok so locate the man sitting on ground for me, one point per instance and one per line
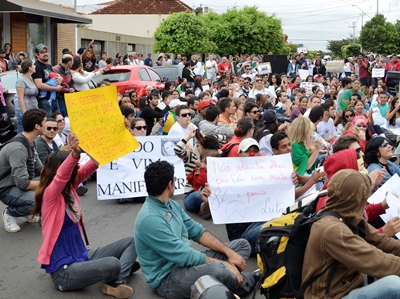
(163, 232)
(210, 125)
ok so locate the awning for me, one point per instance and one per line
(58, 13)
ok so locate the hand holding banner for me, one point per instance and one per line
(99, 124)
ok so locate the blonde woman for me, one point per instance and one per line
(258, 88)
(304, 154)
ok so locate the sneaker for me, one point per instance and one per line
(32, 219)
(81, 190)
(117, 290)
(135, 267)
(10, 223)
(256, 275)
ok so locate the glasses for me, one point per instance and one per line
(139, 128)
(349, 116)
(246, 82)
(134, 95)
(254, 112)
(61, 120)
(185, 114)
(361, 126)
(384, 144)
(43, 52)
(52, 128)
(358, 150)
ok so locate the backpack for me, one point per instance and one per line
(280, 248)
(263, 134)
(227, 150)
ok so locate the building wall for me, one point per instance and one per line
(117, 43)
(65, 39)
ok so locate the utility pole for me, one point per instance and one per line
(354, 31)
(377, 6)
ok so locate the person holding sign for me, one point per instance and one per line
(163, 232)
(63, 253)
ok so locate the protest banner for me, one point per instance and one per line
(249, 189)
(391, 192)
(309, 85)
(303, 74)
(334, 66)
(264, 68)
(99, 124)
(378, 73)
(124, 177)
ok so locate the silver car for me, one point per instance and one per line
(9, 80)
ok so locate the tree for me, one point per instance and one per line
(351, 50)
(246, 31)
(379, 36)
(183, 33)
(335, 46)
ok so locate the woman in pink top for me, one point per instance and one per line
(63, 253)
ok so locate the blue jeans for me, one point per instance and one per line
(44, 104)
(63, 107)
(20, 203)
(385, 288)
(192, 201)
(18, 115)
(177, 283)
(110, 263)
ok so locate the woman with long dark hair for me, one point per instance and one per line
(197, 86)
(63, 253)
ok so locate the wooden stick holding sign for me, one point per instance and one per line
(99, 124)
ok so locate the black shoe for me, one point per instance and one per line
(81, 190)
(135, 267)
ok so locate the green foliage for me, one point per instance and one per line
(311, 53)
(246, 31)
(380, 36)
(292, 48)
(335, 46)
(183, 33)
(351, 50)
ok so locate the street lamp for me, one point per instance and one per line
(362, 15)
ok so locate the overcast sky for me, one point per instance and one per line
(308, 22)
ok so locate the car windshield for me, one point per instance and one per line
(166, 72)
(114, 76)
(9, 79)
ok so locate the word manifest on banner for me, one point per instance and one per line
(249, 189)
(97, 121)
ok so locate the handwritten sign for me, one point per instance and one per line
(303, 74)
(99, 124)
(124, 177)
(249, 189)
(301, 49)
(391, 191)
(378, 73)
(309, 85)
(264, 68)
(334, 66)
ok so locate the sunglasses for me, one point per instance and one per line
(60, 120)
(254, 112)
(139, 128)
(384, 144)
(134, 95)
(186, 114)
(52, 128)
(361, 126)
(349, 116)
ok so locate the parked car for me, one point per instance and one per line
(132, 77)
(171, 73)
(9, 81)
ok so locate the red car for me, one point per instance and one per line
(132, 77)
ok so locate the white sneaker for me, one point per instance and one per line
(10, 223)
(32, 219)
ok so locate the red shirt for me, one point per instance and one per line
(362, 70)
(393, 66)
(224, 67)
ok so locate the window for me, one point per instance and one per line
(144, 76)
(131, 48)
(155, 76)
(36, 33)
(114, 76)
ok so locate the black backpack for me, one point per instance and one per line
(263, 134)
(280, 249)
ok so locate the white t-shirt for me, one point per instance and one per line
(253, 93)
(326, 129)
(212, 70)
(251, 76)
(179, 132)
(199, 69)
(265, 145)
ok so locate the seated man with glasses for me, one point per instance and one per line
(181, 127)
(45, 143)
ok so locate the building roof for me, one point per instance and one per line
(144, 7)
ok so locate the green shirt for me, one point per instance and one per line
(300, 155)
(346, 96)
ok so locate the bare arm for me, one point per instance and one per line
(20, 93)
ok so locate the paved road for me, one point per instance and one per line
(105, 221)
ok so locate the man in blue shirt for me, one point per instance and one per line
(148, 60)
(163, 232)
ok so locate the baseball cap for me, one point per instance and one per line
(317, 76)
(301, 90)
(2, 51)
(81, 50)
(268, 105)
(203, 104)
(245, 144)
(175, 102)
(40, 47)
(66, 51)
(269, 117)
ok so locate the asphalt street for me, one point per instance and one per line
(105, 222)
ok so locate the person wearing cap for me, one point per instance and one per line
(41, 76)
(202, 109)
(210, 125)
(3, 61)
(89, 58)
(148, 60)
(66, 51)
(182, 125)
(169, 118)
